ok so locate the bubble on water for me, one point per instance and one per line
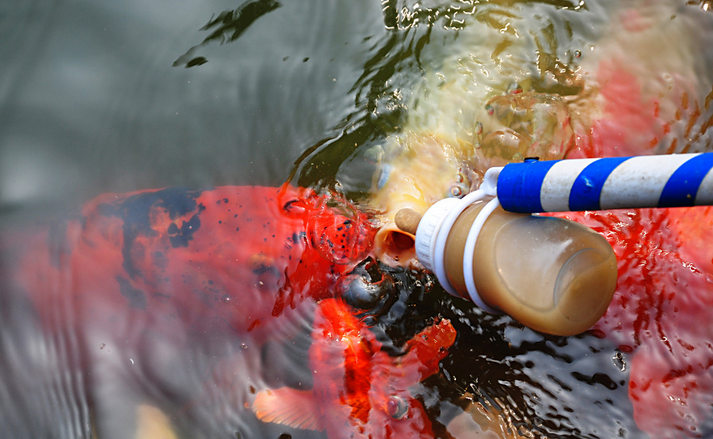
(514, 88)
(396, 407)
(479, 127)
(619, 361)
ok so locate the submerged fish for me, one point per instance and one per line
(664, 297)
(531, 80)
(359, 391)
(659, 316)
(133, 282)
(608, 80)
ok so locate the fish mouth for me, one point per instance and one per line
(394, 247)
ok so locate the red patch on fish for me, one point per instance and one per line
(661, 313)
(359, 391)
(628, 123)
(166, 260)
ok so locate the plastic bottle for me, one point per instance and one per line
(551, 274)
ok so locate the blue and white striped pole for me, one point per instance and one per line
(609, 183)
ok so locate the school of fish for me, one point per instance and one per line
(133, 272)
(634, 91)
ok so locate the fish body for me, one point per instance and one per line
(359, 391)
(615, 79)
(610, 79)
(660, 313)
(140, 295)
(654, 98)
(230, 256)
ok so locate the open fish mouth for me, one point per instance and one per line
(394, 246)
(407, 188)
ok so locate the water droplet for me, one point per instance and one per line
(514, 88)
(456, 191)
(396, 407)
(619, 361)
(243, 345)
(489, 108)
(577, 53)
(478, 128)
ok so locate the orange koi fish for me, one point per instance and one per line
(661, 312)
(126, 289)
(232, 256)
(359, 391)
(664, 298)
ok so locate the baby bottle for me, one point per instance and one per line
(551, 274)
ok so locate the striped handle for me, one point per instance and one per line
(609, 183)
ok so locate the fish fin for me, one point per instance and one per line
(429, 347)
(291, 407)
(153, 424)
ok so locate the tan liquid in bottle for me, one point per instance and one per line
(551, 274)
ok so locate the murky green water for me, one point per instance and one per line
(100, 96)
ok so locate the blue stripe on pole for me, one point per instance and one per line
(682, 187)
(587, 187)
(519, 185)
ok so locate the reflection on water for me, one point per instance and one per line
(96, 97)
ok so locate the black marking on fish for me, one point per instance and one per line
(134, 212)
(179, 237)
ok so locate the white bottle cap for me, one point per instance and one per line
(432, 234)
(428, 228)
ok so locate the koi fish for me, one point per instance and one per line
(232, 256)
(640, 87)
(512, 87)
(663, 301)
(134, 280)
(359, 391)
(660, 312)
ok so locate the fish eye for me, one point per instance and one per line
(396, 407)
(384, 173)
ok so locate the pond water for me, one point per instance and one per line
(112, 97)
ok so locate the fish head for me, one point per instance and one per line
(340, 233)
(417, 173)
(428, 167)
